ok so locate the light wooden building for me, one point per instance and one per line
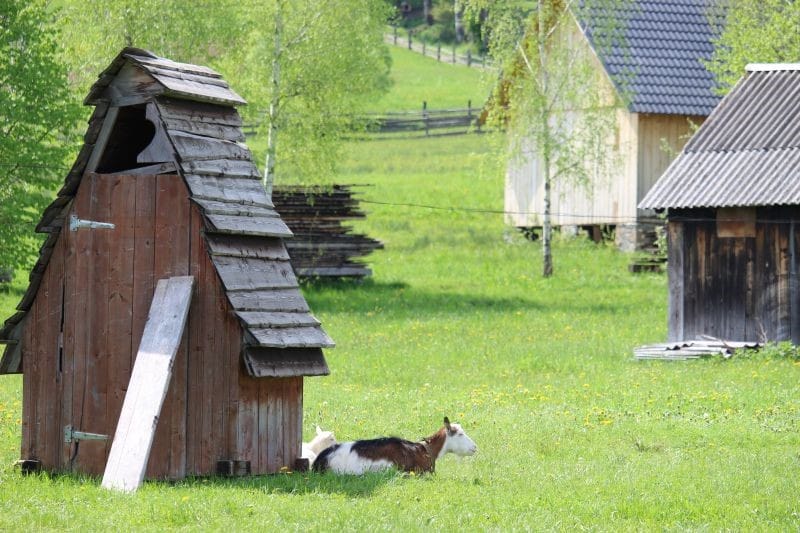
(662, 90)
(164, 162)
(732, 199)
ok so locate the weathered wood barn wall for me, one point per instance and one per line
(733, 201)
(661, 89)
(164, 162)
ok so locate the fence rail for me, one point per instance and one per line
(424, 122)
(446, 54)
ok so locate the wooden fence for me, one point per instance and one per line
(447, 54)
(425, 122)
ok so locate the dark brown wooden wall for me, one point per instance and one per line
(105, 278)
(734, 288)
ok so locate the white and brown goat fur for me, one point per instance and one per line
(358, 457)
(322, 440)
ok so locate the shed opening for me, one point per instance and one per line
(132, 133)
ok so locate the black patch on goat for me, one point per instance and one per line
(405, 455)
(321, 462)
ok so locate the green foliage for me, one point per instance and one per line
(332, 64)
(94, 31)
(753, 32)
(37, 116)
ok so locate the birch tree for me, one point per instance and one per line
(305, 73)
(548, 98)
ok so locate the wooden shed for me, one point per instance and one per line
(163, 161)
(733, 207)
(656, 78)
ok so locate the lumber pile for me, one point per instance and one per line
(323, 245)
(694, 349)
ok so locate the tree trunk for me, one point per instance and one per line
(274, 103)
(458, 11)
(545, 148)
(426, 11)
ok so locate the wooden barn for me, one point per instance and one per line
(164, 163)
(733, 207)
(656, 79)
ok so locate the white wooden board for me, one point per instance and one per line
(147, 389)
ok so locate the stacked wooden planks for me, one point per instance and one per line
(694, 349)
(323, 246)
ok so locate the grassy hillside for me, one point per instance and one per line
(416, 78)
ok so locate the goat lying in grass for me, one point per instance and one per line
(362, 456)
(324, 439)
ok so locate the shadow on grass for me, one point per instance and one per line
(367, 295)
(288, 483)
(301, 483)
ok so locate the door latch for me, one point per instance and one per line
(75, 223)
(71, 434)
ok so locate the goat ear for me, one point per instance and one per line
(447, 425)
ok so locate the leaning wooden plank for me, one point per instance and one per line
(148, 384)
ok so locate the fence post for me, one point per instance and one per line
(409, 39)
(438, 51)
(423, 48)
(483, 60)
(469, 58)
(425, 116)
(454, 53)
(395, 34)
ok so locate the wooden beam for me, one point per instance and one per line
(147, 389)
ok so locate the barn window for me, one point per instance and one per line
(736, 222)
(131, 134)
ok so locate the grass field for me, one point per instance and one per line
(444, 86)
(456, 321)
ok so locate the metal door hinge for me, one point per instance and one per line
(75, 223)
(71, 434)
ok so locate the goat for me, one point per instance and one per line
(357, 457)
(322, 440)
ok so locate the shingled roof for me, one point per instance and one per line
(659, 65)
(194, 108)
(747, 153)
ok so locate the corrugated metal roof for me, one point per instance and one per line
(748, 151)
(659, 66)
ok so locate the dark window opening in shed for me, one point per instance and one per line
(131, 134)
(736, 222)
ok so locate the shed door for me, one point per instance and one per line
(108, 284)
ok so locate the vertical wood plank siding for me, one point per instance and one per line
(734, 288)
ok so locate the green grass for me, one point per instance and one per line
(457, 321)
(416, 78)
